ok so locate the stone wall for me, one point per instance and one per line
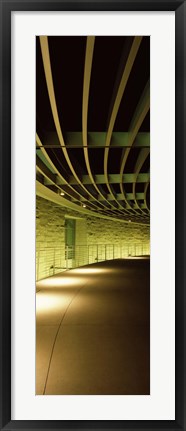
(96, 239)
(51, 256)
(110, 232)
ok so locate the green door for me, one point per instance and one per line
(70, 225)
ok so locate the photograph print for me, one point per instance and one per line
(92, 215)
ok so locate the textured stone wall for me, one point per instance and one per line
(50, 222)
(117, 239)
(96, 239)
(110, 232)
(50, 237)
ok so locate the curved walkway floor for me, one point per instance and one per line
(93, 330)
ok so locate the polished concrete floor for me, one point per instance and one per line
(93, 330)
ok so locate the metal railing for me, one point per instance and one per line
(52, 260)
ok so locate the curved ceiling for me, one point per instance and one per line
(93, 123)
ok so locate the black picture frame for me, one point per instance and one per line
(6, 7)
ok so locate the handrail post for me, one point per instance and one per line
(38, 256)
(54, 262)
(67, 257)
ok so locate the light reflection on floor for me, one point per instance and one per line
(93, 330)
(60, 281)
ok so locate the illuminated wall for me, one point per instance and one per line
(96, 239)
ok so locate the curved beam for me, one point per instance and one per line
(58, 174)
(97, 202)
(51, 178)
(113, 178)
(137, 120)
(42, 191)
(126, 73)
(145, 196)
(139, 163)
(86, 87)
(51, 93)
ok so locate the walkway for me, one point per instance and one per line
(93, 330)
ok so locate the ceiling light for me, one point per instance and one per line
(129, 221)
(84, 206)
(62, 193)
